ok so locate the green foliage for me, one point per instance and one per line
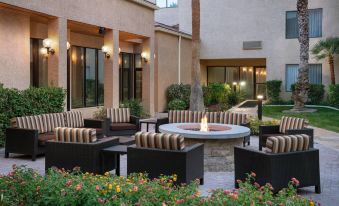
(177, 104)
(333, 95)
(136, 107)
(32, 101)
(255, 123)
(58, 187)
(315, 93)
(234, 98)
(100, 113)
(179, 91)
(326, 48)
(216, 93)
(273, 91)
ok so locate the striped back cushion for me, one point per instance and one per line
(287, 123)
(30, 122)
(74, 119)
(232, 118)
(53, 120)
(212, 117)
(287, 143)
(119, 115)
(78, 135)
(159, 140)
(184, 116)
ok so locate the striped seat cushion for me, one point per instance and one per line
(53, 120)
(30, 122)
(184, 116)
(119, 115)
(232, 118)
(287, 143)
(78, 135)
(159, 141)
(212, 117)
(287, 123)
(73, 119)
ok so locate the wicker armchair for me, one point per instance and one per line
(87, 156)
(120, 122)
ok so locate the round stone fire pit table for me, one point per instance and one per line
(218, 142)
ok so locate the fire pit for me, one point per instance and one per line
(218, 139)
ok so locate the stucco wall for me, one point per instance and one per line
(168, 16)
(14, 50)
(225, 24)
(186, 61)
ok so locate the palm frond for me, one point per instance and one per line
(326, 47)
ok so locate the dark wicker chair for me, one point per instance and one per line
(267, 131)
(120, 122)
(278, 169)
(86, 156)
(187, 164)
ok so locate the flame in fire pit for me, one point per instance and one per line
(204, 125)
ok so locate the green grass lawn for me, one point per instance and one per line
(323, 118)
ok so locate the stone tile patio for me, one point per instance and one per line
(329, 160)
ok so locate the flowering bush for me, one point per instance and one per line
(24, 186)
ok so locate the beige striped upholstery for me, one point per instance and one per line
(184, 116)
(287, 143)
(74, 119)
(78, 135)
(159, 140)
(287, 123)
(53, 120)
(212, 117)
(232, 118)
(119, 115)
(29, 122)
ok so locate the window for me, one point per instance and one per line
(167, 3)
(314, 74)
(39, 68)
(315, 24)
(87, 77)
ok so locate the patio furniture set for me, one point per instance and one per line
(68, 140)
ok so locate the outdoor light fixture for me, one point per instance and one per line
(242, 83)
(119, 50)
(68, 45)
(144, 56)
(235, 83)
(105, 51)
(47, 43)
(260, 98)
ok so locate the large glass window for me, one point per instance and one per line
(167, 3)
(87, 77)
(314, 74)
(216, 74)
(138, 77)
(315, 24)
(39, 65)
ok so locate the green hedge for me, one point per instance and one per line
(216, 93)
(273, 91)
(26, 187)
(32, 101)
(177, 104)
(179, 91)
(333, 95)
(136, 107)
(315, 94)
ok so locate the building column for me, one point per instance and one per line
(57, 62)
(111, 79)
(148, 83)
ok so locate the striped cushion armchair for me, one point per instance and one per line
(287, 126)
(166, 154)
(121, 122)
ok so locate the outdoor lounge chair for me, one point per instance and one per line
(28, 135)
(121, 122)
(151, 156)
(281, 163)
(288, 126)
(70, 151)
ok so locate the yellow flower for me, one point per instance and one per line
(311, 203)
(110, 186)
(106, 173)
(117, 188)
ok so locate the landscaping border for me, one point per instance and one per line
(291, 105)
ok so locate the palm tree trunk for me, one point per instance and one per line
(302, 85)
(196, 98)
(331, 62)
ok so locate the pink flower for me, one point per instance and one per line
(97, 187)
(295, 181)
(100, 200)
(163, 204)
(269, 203)
(256, 185)
(238, 181)
(180, 201)
(68, 183)
(253, 174)
(78, 187)
(226, 192)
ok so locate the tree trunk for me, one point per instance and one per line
(302, 85)
(196, 98)
(331, 62)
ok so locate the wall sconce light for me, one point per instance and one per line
(47, 43)
(68, 45)
(144, 56)
(119, 50)
(242, 83)
(105, 51)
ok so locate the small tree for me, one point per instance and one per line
(327, 48)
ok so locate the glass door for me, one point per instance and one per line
(125, 76)
(260, 81)
(246, 81)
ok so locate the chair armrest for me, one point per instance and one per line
(94, 123)
(193, 147)
(134, 120)
(247, 124)
(268, 129)
(308, 131)
(21, 138)
(161, 121)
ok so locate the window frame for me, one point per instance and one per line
(321, 35)
(167, 6)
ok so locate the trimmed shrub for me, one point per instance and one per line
(179, 91)
(216, 93)
(255, 123)
(273, 91)
(136, 107)
(32, 101)
(315, 94)
(333, 95)
(24, 186)
(177, 104)
(234, 98)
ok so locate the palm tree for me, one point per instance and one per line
(302, 85)
(327, 48)
(196, 98)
